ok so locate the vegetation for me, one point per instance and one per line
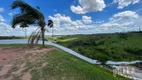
(65, 66)
(138, 65)
(29, 16)
(10, 37)
(61, 66)
(50, 24)
(11, 45)
(23, 45)
(104, 47)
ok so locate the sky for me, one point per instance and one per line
(78, 16)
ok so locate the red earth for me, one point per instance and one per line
(14, 60)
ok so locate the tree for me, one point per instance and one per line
(29, 16)
(50, 24)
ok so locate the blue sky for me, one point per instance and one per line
(79, 16)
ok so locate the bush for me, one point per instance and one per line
(134, 51)
(123, 36)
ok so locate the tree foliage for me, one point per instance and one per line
(28, 16)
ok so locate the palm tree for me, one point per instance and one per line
(50, 24)
(28, 16)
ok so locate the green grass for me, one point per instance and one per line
(11, 45)
(11, 37)
(22, 45)
(103, 47)
(63, 66)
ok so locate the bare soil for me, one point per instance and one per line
(17, 62)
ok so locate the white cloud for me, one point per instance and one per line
(58, 19)
(10, 14)
(124, 15)
(78, 10)
(7, 30)
(70, 26)
(87, 19)
(1, 9)
(117, 25)
(88, 6)
(123, 21)
(99, 22)
(1, 19)
(62, 21)
(125, 3)
(4, 29)
(77, 24)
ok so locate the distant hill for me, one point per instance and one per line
(103, 47)
(10, 37)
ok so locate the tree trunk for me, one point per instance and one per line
(25, 33)
(52, 34)
(42, 30)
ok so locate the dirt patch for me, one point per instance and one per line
(5, 70)
(44, 64)
(8, 54)
(21, 68)
(10, 78)
(26, 76)
(17, 62)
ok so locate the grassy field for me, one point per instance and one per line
(62, 66)
(103, 47)
(10, 37)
